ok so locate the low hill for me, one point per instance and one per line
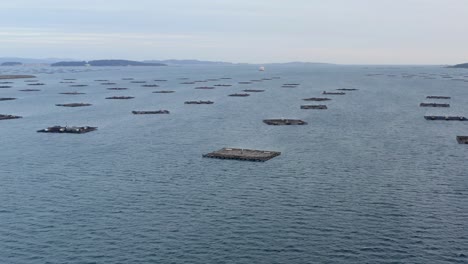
(463, 66)
(11, 63)
(101, 63)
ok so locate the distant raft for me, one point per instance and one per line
(284, 122)
(447, 118)
(462, 139)
(74, 105)
(5, 86)
(438, 97)
(433, 105)
(71, 93)
(120, 97)
(163, 92)
(243, 154)
(67, 129)
(150, 85)
(333, 93)
(108, 83)
(150, 112)
(117, 89)
(6, 117)
(347, 89)
(204, 88)
(222, 85)
(319, 107)
(240, 95)
(7, 98)
(36, 84)
(253, 91)
(78, 85)
(199, 102)
(29, 90)
(318, 99)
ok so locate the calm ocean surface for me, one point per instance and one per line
(367, 181)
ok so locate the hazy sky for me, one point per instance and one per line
(336, 31)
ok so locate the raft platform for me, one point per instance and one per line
(7, 77)
(447, 118)
(438, 97)
(74, 105)
(36, 84)
(163, 91)
(29, 90)
(150, 85)
(199, 102)
(333, 93)
(72, 93)
(5, 86)
(120, 97)
(67, 129)
(320, 107)
(347, 89)
(240, 95)
(462, 139)
(204, 88)
(433, 105)
(253, 91)
(284, 122)
(150, 112)
(6, 117)
(7, 98)
(243, 154)
(318, 99)
(117, 89)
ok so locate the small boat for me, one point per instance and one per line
(261, 68)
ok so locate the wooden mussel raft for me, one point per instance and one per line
(120, 97)
(437, 97)
(319, 107)
(78, 85)
(284, 122)
(150, 112)
(74, 105)
(240, 95)
(29, 90)
(433, 105)
(204, 88)
(67, 129)
(243, 154)
(199, 102)
(462, 139)
(6, 117)
(150, 85)
(163, 92)
(108, 83)
(347, 89)
(117, 89)
(5, 86)
(317, 99)
(333, 93)
(6, 77)
(253, 91)
(447, 118)
(36, 84)
(7, 98)
(222, 85)
(71, 93)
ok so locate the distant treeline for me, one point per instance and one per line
(104, 63)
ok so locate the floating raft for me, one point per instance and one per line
(253, 91)
(120, 97)
(438, 97)
(433, 105)
(36, 84)
(127, 79)
(245, 82)
(108, 83)
(284, 122)
(160, 80)
(67, 129)
(71, 79)
(6, 77)
(204, 88)
(199, 102)
(462, 139)
(163, 91)
(5, 86)
(150, 85)
(101, 80)
(74, 105)
(29, 90)
(138, 82)
(117, 89)
(78, 85)
(5, 82)
(318, 99)
(72, 93)
(447, 118)
(320, 107)
(333, 93)
(347, 89)
(150, 112)
(7, 98)
(240, 95)
(222, 85)
(243, 154)
(6, 117)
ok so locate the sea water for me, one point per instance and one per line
(367, 181)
